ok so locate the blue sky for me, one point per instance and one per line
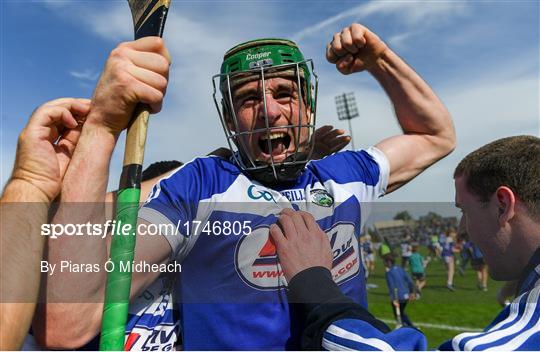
(482, 59)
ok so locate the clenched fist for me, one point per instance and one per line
(135, 72)
(354, 49)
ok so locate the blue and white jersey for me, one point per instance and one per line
(516, 327)
(232, 289)
(153, 323)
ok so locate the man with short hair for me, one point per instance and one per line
(497, 188)
(232, 290)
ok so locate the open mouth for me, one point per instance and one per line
(279, 143)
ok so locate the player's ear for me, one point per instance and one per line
(506, 201)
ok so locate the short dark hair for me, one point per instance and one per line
(389, 259)
(159, 168)
(513, 162)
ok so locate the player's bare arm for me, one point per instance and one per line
(135, 72)
(428, 131)
(43, 153)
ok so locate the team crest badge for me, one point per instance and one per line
(322, 198)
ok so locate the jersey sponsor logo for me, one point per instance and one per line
(160, 338)
(131, 340)
(345, 252)
(258, 56)
(294, 195)
(256, 194)
(322, 197)
(257, 262)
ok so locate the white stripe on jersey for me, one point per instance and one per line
(344, 334)
(331, 346)
(494, 334)
(514, 309)
(517, 341)
(365, 194)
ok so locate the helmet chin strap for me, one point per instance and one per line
(280, 174)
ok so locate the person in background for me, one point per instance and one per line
(368, 254)
(479, 266)
(400, 288)
(464, 253)
(417, 265)
(384, 248)
(434, 247)
(405, 251)
(447, 254)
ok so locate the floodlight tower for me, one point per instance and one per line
(347, 110)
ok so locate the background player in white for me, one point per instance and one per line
(137, 72)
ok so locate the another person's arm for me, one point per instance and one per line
(333, 320)
(428, 131)
(136, 72)
(43, 153)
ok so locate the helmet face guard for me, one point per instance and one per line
(261, 60)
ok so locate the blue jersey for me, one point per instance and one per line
(476, 253)
(447, 249)
(232, 289)
(366, 247)
(399, 283)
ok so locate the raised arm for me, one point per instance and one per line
(428, 131)
(135, 72)
(43, 153)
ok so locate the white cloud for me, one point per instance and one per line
(109, 20)
(87, 75)
(410, 13)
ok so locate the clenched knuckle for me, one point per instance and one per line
(118, 53)
(156, 97)
(158, 43)
(162, 65)
(357, 26)
(161, 84)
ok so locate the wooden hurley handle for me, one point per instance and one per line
(136, 136)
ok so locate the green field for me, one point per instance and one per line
(466, 307)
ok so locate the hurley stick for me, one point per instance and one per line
(148, 19)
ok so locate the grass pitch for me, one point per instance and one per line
(466, 307)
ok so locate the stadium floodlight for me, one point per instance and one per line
(347, 110)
